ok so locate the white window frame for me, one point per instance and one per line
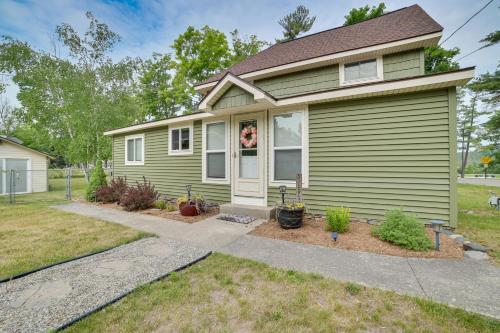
(304, 148)
(227, 150)
(379, 77)
(180, 151)
(131, 137)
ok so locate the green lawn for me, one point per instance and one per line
(478, 221)
(33, 235)
(227, 294)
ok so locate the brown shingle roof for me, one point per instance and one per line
(401, 24)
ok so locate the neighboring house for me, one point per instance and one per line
(350, 108)
(29, 165)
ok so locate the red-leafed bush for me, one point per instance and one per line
(112, 192)
(141, 196)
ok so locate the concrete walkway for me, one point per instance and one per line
(472, 285)
(55, 296)
(468, 284)
(208, 234)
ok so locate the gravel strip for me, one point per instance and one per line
(50, 298)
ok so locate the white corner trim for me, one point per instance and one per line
(227, 125)
(304, 148)
(384, 88)
(379, 77)
(159, 123)
(130, 137)
(227, 81)
(180, 152)
(397, 46)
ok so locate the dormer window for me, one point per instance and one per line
(361, 71)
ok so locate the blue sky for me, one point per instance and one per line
(151, 26)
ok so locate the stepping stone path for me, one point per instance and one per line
(53, 297)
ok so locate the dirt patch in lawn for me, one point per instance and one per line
(358, 238)
(174, 215)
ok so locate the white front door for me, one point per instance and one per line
(248, 158)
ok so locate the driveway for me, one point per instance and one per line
(480, 181)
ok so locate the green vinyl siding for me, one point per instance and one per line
(382, 153)
(308, 81)
(234, 97)
(404, 64)
(169, 173)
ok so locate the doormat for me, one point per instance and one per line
(237, 218)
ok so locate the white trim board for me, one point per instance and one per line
(352, 55)
(229, 80)
(227, 122)
(131, 137)
(180, 151)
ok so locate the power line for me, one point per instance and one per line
(470, 18)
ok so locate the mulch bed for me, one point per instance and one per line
(174, 215)
(358, 238)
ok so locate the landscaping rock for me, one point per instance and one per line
(372, 222)
(460, 239)
(476, 255)
(455, 236)
(468, 246)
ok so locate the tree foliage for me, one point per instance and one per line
(71, 102)
(242, 48)
(488, 85)
(296, 23)
(439, 59)
(97, 180)
(360, 14)
(8, 118)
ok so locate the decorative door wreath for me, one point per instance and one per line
(248, 136)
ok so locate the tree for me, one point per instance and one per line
(156, 91)
(296, 23)
(488, 85)
(97, 180)
(245, 47)
(200, 54)
(360, 14)
(438, 59)
(71, 102)
(468, 116)
(7, 117)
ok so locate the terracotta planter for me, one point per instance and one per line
(290, 218)
(188, 209)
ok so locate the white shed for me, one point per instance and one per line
(29, 165)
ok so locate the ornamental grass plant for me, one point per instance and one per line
(337, 219)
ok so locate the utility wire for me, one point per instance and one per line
(470, 18)
(468, 54)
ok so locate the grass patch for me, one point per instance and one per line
(217, 295)
(478, 221)
(33, 235)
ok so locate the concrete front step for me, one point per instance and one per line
(261, 212)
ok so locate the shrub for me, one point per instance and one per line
(160, 204)
(97, 180)
(112, 192)
(337, 219)
(403, 230)
(141, 196)
(170, 207)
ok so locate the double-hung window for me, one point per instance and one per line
(181, 140)
(215, 158)
(361, 71)
(134, 151)
(287, 146)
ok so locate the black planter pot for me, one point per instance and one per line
(290, 218)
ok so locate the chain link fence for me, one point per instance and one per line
(19, 185)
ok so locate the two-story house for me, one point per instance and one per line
(350, 108)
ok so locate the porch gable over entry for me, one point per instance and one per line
(234, 93)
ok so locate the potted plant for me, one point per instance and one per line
(187, 207)
(290, 216)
